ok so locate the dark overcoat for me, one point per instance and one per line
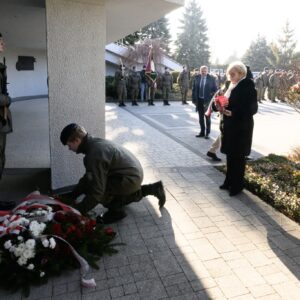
(237, 130)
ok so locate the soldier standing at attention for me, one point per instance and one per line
(5, 115)
(183, 81)
(134, 81)
(167, 85)
(274, 83)
(283, 86)
(259, 85)
(5, 121)
(120, 81)
(265, 79)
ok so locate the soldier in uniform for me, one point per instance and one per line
(113, 175)
(167, 85)
(259, 85)
(120, 82)
(152, 85)
(265, 79)
(5, 121)
(268, 83)
(183, 81)
(134, 81)
(5, 115)
(274, 83)
(283, 86)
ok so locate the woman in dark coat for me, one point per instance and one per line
(237, 126)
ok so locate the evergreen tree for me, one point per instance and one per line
(131, 39)
(287, 46)
(192, 43)
(257, 55)
(283, 53)
(156, 30)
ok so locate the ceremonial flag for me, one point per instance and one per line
(150, 67)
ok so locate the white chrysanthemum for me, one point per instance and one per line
(30, 267)
(45, 243)
(52, 243)
(22, 261)
(30, 244)
(50, 209)
(42, 274)
(20, 238)
(36, 228)
(17, 252)
(7, 244)
(28, 253)
(21, 246)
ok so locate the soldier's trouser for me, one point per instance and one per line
(134, 93)
(264, 93)
(269, 93)
(184, 91)
(2, 152)
(166, 91)
(151, 93)
(260, 94)
(121, 92)
(273, 92)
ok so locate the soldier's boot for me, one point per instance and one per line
(165, 102)
(135, 103)
(111, 216)
(149, 102)
(155, 189)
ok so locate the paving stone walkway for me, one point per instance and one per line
(203, 244)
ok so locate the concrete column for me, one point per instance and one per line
(76, 35)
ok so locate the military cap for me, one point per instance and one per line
(67, 132)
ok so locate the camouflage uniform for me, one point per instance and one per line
(265, 79)
(5, 116)
(274, 83)
(134, 81)
(167, 84)
(183, 81)
(120, 81)
(268, 84)
(259, 85)
(283, 86)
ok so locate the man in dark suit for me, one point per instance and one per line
(204, 87)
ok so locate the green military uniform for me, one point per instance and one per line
(183, 81)
(265, 79)
(113, 175)
(283, 86)
(167, 84)
(259, 85)
(134, 81)
(120, 82)
(5, 116)
(274, 83)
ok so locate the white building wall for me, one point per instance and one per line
(76, 35)
(26, 83)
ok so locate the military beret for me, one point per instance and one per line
(67, 132)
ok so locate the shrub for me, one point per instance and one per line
(276, 180)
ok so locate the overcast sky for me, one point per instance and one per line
(233, 24)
